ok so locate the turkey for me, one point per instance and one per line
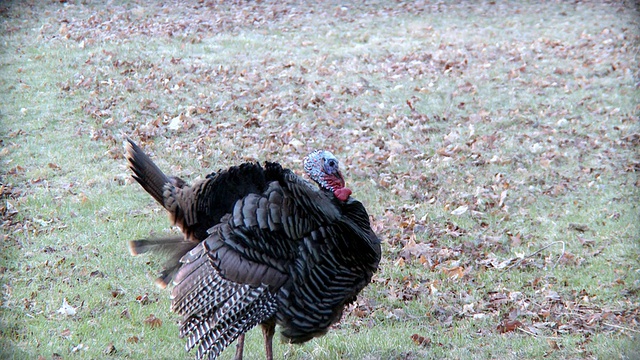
(260, 245)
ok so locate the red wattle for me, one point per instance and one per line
(342, 193)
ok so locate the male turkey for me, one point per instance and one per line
(262, 246)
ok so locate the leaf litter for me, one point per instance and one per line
(484, 180)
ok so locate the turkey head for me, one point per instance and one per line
(323, 168)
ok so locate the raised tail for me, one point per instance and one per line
(146, 172)
(173, 248)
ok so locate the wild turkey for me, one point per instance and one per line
(261, 246)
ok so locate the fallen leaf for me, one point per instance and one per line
(176, 122)
(455, 272)
(133, 339)
(421, 340)
(143, 299)
(125, 314)
(568, 259)
(516, 240)
(110, 349)
(448, 152)
(460, 210)
(153, 321)
(296, 143)
(503, 196)
(586, 242)
(553, 295)
(508, 325)
(16, 170)
(66, 309)
(96, 273)
(578, 227)
(359, 313)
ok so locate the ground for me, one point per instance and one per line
(494, 144)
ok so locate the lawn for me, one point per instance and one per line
(494, 144)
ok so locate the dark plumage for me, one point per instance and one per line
(261, 246)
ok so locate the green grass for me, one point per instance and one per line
(524, 113)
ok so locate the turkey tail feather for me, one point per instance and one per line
(173, 247)
(168, 245)
(145, 171)
(215, 310)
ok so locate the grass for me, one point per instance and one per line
(475, 134)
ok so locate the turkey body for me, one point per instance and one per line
(263, 246)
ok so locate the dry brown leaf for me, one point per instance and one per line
(508, 325)
(553, 344)
(143, 299)
(110, 350)
(446, 152)
(153, 321)
(421, 340)
(578, 227)
(516, 240)
(16, 170)
(359, 313)
(455, 272)
(133, 339)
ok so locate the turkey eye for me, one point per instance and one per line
(332, 163)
